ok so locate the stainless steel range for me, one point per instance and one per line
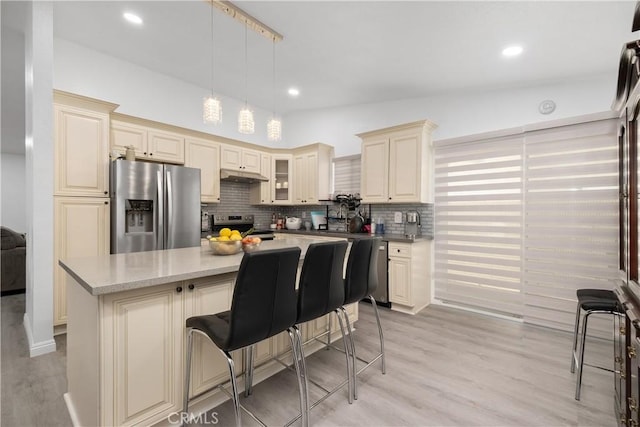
(241, 223)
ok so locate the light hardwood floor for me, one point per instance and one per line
(445, 367)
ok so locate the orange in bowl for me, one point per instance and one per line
(250, 243)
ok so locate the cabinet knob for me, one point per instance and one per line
(106, 192)
(151, 154)
(179, 289)
(398, 250)
(106, 203)
(145, 153)
(191, 286)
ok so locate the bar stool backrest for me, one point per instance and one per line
(362, 269)
(264, 298)
(321, 286)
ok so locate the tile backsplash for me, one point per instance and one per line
(234, 200)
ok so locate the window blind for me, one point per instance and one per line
(523, 221)
(346, 175)
(478, 224)
(571, 225)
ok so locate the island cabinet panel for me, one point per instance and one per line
(210, 295)
(143, 352)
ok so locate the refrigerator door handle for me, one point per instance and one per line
(159, 213)
(169, 211)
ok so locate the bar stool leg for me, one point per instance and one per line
(234, 387)
(248, 371)
(298, 362)
(352, 350)
(348, 355)
(575, 339)
(583, 341)
(187, 376)
(375, 310)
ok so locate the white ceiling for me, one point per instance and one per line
(343, 53)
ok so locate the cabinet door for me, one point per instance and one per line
(400, 281)
(124, 135)
(299, 179)
(311, 178)
(230, 157)
(81, 152)
(208, 366)
(81, 228)
(143, 351)
(205, 156)
(281, 168)
(165, 147)
(260, 194)
(375, 171)
(405, 157)
(251, 161)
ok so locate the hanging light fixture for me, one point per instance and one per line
(245, 118)
(211, 107)
(274, 126)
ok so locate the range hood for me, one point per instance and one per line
(241, 176)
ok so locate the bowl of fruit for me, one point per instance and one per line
(250, 243)
(228, 242)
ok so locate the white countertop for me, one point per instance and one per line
(121, 272)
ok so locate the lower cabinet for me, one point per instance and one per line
(410, 276)
(81, 228)
(626, 368)
(126, 366)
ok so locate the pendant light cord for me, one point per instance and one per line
(246, 71)
(212, 44)
(274, 78)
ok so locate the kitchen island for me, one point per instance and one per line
(126, 335)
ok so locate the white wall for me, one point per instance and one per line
(144, 93)
(456, 114)
(13, 190)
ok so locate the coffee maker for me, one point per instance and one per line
(412, 224)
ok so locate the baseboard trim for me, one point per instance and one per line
(37, 348)
(72, 410)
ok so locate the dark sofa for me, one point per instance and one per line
(13, 265)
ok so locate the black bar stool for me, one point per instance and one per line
(264, 304)
(590, 301)
(360, 282)
(321, 291)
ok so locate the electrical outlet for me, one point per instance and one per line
(397, 217)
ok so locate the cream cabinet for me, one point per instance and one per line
(410, 275)
(281, 175)
(205, 155)
(261, 194)
(234, 157)
(208, 296)
(81, 153)
(397, 164)
(312, 174)
(149, 143)
(81, 228)
(143, 348)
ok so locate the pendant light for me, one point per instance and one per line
(246, 124)
(274, 126)
(211, 107)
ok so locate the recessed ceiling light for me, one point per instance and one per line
(512, 51)
(133, 18)
(293, 91)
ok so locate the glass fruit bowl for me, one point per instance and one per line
(225, 247)
(250, 244)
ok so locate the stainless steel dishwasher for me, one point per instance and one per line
(381, 294)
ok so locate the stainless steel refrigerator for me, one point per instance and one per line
(153, 206)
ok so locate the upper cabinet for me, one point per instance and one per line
(81, 145)
(397, 164)
(205, 155)
(150, 143)
(281, 165)
(312, 173)
(261, 194)
(233, 157)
